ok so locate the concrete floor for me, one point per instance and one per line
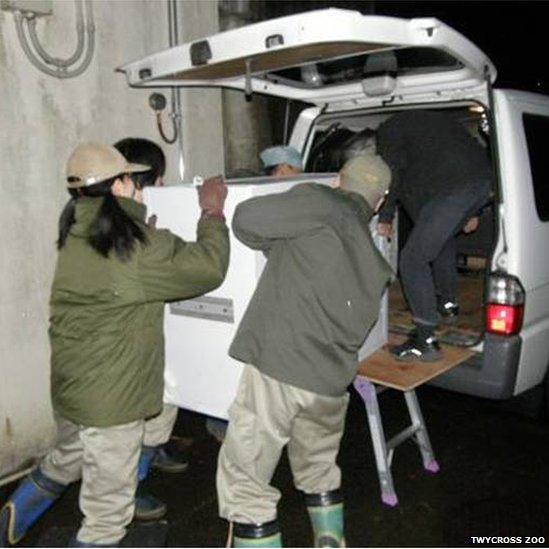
(494, 481)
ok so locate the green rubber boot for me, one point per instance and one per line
(266, 534)
(326, 514)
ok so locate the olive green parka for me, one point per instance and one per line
(106, 325)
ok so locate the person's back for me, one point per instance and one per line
(316, 300)
(319, 293)
(430, 155)
(96, 380)
(112, 277)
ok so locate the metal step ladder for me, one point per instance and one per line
(384, 449)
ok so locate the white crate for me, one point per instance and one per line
(200, 375)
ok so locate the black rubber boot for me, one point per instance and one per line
(326, 514)
(168, 460)
(266, 534)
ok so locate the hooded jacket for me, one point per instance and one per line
(106, 325)
(430, 155)
(319, 294)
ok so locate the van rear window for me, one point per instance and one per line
(536, 128)
(400, 62)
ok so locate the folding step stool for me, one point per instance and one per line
(381, 371)
(384, 449)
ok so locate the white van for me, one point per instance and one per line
(356, 71)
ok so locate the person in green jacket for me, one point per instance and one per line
(113, 275)
(318, 297)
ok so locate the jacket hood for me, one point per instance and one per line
(360, 201)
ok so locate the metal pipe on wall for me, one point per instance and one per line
(173, 36)
(43, 61)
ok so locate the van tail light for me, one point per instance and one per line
(505, 305)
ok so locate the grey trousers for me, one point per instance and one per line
(105, 458)
(428, 260)
(265, 416)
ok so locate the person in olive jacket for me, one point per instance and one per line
(113, 275)
(318, 297)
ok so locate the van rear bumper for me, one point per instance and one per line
(489, 374)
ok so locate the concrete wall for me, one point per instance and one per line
(41, 120)
(247, 124)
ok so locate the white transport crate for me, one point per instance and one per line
(200, 375)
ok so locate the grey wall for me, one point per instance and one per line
(41, 120)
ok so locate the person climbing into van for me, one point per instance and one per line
(441, 177)
(318, 297)
(113, 275)
(156, 451)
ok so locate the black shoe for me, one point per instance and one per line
(448, 311)
(416, 349)
(147, 507)
(168, 460)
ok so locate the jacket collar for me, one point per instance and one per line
(360, 201)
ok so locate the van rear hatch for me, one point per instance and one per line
(323, 56)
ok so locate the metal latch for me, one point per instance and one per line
(220, 309)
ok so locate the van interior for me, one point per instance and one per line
(338, 136)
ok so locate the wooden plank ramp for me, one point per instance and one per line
(381, 368)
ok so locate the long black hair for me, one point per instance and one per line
(111, 230)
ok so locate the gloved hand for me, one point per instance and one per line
(211, 196)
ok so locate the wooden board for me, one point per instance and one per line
(383, 369)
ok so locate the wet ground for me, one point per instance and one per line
(494, 481)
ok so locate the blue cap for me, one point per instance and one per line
(281, 155)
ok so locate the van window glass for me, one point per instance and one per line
(536, 128)
(399, 62)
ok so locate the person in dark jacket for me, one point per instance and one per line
(113, 275)
(316, 300)
(442, 178)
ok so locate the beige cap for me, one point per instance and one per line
(367, 175)
(94, 162)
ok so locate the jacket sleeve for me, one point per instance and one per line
(260, 221)
(391, 147)
(170, 268)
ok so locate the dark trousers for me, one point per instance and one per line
(428, 260)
